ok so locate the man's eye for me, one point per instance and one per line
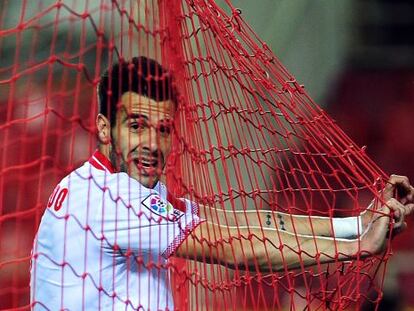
(136, 125)
(165, 129)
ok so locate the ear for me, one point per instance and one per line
(104, 129)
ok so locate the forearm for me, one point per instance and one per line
(289, 251)
(297, 224)
(262, 249)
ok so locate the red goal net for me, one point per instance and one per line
(248, 138)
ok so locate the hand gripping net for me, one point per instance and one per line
(248, 137)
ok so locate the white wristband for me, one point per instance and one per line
(347, 227)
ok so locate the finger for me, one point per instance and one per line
(401, 181)
(402, 186)
(410, 195)
(394, 179)
(408, 209)
(405, 194)
(398, 212)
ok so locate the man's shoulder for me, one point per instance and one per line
(85, 177)
(116, 183)
(78, 175)
(87, 180)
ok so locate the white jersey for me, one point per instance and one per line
(103, 243)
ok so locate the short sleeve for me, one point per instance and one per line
(191, 206)
(144, 222)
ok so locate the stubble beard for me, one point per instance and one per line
(113, 157)
(123, 166)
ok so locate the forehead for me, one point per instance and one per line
(134, 103)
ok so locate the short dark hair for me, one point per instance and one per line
(141, 75)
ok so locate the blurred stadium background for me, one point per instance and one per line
(355, 58)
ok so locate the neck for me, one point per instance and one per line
(105, 150)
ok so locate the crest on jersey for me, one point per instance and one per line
(161, 207)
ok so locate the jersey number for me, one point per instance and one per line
(57, 198)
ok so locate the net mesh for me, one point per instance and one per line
(248, 138)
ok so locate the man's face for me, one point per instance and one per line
(141, 137)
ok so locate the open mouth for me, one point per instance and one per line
(146, 163)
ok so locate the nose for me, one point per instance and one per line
(152, 142)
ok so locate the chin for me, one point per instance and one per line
(147, 178)
(146, 181)
(149, 184)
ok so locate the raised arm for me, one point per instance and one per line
(268, 249)
(296, 224)
(398, 187)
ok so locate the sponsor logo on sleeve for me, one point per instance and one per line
(161, 207)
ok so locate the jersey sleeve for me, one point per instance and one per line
(191, 206)
(143, 222)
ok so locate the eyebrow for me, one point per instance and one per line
(138, 116)
(135, 116)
